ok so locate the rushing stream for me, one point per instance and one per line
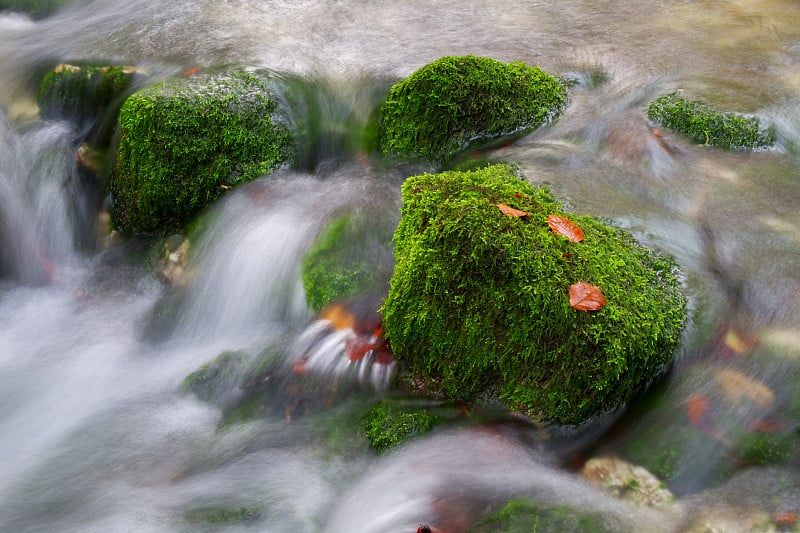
(96, 431)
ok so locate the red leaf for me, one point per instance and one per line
(357, 349)
(696, 408)
(566, 227)
(510, 211)
(586, 297)
(785, 519)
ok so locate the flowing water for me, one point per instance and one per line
(97, 432)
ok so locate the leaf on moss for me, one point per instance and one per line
(510, 211)
(586, 297)
(565, 227)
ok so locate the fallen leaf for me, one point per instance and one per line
(357, 349)
(191, 71)
(510, 211)
(339, 317)
(586, 297)
(696, 409)
(738, 388)
(785, 519)
(738, 343)
(565, 227)
(299, 367)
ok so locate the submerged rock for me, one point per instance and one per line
(705, 125)
(351, 256)
(626, 481)
(523, 516)
(390, 424)
(34, 8)
(454, 102)
(479, 304)
(184, 142)
(83, 92)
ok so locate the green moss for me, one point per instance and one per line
(455, 101)
(705, 125)
(82, 92)
(183, 142)
(522, 516)
(216, 377)
(34, 8)
(479, 300)
(227, 516)
(768, 448)
(388, 424)
(351, 256)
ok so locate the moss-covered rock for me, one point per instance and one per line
(389, 424)
(216, 379)
(351, 256)
(83, 92)
(454, 102)
(522, 516)
(183, 142)
(479, 301)
(34, 8)
(706, 125)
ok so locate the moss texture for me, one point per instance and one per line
(351, 256)
(388, 424)
(705, 125)
(34, 8)
(82, 92)
(522, 516)
(447, 105)
(183, 142)
(479, 304)
(222, 516)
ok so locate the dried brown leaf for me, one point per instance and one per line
(586, 297)
(566, 227)
(510, 211)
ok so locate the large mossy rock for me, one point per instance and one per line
(449, 104)
(479, 300)
(83, 92)
(183, 142)
(703, 124)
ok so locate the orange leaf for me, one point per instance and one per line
(191, 71)
(785, 519)
(566, 227)
(696, 408)
(510, 211)
(586, 297)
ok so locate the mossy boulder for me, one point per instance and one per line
(83, 92)
(351, 256)
(479, 305)
(184, 142)
(455, 102)
(703, 124)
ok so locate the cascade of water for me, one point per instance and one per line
(38, 196)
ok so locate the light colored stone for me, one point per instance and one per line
(627, 482)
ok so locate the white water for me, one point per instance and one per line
(97, 434)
